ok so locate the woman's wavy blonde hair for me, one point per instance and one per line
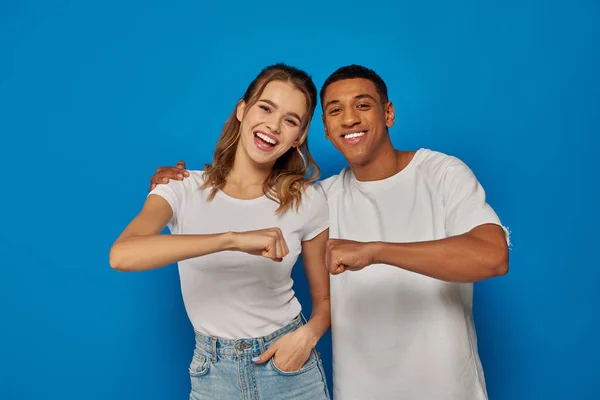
(295, 169)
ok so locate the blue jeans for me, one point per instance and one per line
(222, 369)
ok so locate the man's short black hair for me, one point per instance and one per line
(352, 72)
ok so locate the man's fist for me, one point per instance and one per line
(348, 255)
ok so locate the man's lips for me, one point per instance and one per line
(354, 136)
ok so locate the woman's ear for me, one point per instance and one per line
(241, 108)
(302, 138)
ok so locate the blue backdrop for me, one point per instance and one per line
(95, 95)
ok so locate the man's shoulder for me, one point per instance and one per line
(335, 182)
(435, 163)
(430, 157)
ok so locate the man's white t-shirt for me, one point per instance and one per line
(235, 295)
(398, 334)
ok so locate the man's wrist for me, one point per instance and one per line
(375, 250)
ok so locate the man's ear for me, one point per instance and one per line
(241, 108)
(390, 114)
(325, 126)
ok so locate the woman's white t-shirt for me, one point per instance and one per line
(231, 294)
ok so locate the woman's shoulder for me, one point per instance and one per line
(188, 184)
(197, 175)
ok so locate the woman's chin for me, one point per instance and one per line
(261, 159)
(263, 162)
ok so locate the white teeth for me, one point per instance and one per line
(266, 138)
(354, 135)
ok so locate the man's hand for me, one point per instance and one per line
(348, 255)
(291, 351)
(164, 174)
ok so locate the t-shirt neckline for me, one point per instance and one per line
(231, 199)
(389, 181)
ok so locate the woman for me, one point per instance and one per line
(237, 229)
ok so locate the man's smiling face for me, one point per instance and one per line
(356, 119)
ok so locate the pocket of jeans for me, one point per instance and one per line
(308, 365)
(199, 365)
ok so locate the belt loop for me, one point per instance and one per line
(261, 345)
(302, 318)
(214, 349)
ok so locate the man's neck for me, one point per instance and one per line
(386, 164)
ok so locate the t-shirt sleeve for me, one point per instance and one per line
(173, 192)
(317, 217)
(465, 205)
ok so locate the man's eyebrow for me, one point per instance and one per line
(357, 97)
(331, 102)
(293, 114)
(365, 96)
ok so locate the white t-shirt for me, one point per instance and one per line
(235, 295)
(399, 334)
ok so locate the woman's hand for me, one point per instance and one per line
(291, 351)
(268, 243)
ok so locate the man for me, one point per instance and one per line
(410, 233)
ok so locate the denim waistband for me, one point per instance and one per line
(243, 347)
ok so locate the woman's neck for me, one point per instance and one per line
(246, 178)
